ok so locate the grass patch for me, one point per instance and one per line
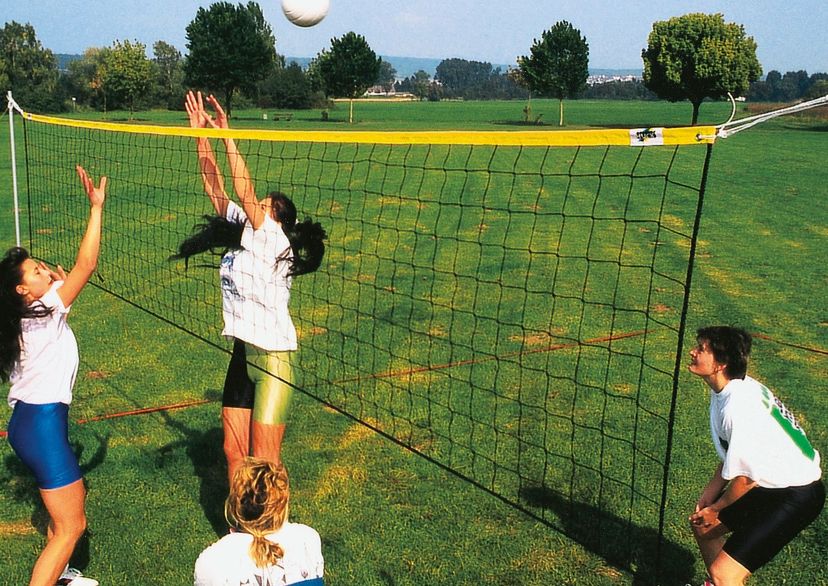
(385, 515)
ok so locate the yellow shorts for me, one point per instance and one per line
(272, 376)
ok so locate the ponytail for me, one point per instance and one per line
(307, 238)
(216, 235)
(257, 505)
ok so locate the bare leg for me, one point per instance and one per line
(236, 423)
(725, 571)
(65, 506)
(722, 569)
(710, 543)
(267, 441)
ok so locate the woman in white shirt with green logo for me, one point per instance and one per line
(768, 486)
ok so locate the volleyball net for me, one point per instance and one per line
(510, 305)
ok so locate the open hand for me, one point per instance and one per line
(194, 105)
(96, 195)
(220, 120)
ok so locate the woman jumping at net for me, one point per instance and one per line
(264, 547)
(267, 248)
(39, 357)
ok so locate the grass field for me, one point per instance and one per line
(386, 515)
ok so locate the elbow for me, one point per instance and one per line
(87, 265)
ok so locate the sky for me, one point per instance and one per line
(790, 34)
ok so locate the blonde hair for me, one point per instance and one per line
(257, 505)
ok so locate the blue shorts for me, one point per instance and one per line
(39, 435)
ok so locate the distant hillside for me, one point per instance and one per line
(405, 66)
(63, 60)
(408, 66)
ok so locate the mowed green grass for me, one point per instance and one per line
(387, 516)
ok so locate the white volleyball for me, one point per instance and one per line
(305, 12)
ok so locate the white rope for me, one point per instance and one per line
(731, 127)
(13, 104)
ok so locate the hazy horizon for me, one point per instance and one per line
(790, 36)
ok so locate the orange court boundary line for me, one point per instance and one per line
(552, 348)
(392, 374)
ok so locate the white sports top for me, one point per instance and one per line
(255, 285)
(228, 563)
(48, 364)
(756, 436)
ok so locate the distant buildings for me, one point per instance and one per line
(609, 78)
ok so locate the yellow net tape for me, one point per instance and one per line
(570, 138)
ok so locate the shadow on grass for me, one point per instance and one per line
(204, 448)
(621, 543)
(24, 489)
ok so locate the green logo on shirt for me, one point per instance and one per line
(787, 421)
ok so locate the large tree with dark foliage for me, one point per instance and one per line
(348, 69)
(230, 48)
(557, 65)
(27, 69)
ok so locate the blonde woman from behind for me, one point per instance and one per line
(263, 547)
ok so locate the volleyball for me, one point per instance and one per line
(305, 12)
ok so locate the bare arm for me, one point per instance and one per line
(242, 183)
(87, 259)
(713, 489)
(707, 516)
(210, 174)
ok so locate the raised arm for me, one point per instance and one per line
(242, 183)
(210, 173)
(87, 259)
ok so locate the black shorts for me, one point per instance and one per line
(764, 520)
(239, 389)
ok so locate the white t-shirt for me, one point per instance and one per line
(228, 563)
(48, 363)
(255, 285)
(756, 436)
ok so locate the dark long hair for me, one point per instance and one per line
(218, 235)
(13, 309)
(307, 238)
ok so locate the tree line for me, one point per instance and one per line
(231, 52)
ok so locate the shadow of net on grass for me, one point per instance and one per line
(204, 449)
(621, 543)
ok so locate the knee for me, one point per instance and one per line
(73, 530)
(724, 571)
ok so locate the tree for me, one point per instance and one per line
(420, 83)
(348, 69)
(27, 69)
(698, 56)
(286, 87)
(387, 75)
(230, 48)
(168, 73)
(515, 74)
(557, 65)
(462, 78)
(83, 80)
(818, 89)
(796, 84)
(127, 74)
